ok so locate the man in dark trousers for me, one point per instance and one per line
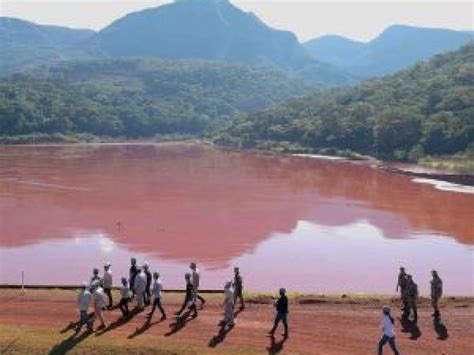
(146, 269)
(196, 279)
(125, 296)
(401, 286)
(238, 288)
(157, 288)
(412, 299)
(436, 292)
(189, 299)
(281, 306)
(133, 275)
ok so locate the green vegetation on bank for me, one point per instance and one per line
(457, 163)
(426, 110)
(136, 98)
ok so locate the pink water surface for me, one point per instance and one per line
(306, 224)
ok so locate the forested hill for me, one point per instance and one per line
(428, 109)
(137, 97)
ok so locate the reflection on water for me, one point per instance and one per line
(310, 224)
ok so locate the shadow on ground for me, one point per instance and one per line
(180, 322)
(74, 325)
(410, 327)
(69, 343)
(147, 325)
(440, 328)
(276, 346)
(220, 336)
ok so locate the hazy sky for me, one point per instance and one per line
(356, 19)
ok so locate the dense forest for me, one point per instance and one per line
(428, 109)
(137, 97)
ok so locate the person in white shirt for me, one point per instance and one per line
(196, 278)
(99, 304)
(140, 287)
(228, 305)
(125, 296)
(107, 283)
(157, 288)
(388, 334)
(83, 302)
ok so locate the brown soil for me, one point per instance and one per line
(38, 322)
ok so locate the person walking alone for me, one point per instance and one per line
(281, 306)
(388, 334)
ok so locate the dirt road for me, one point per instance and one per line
(39, 322)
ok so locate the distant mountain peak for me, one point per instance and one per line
(395, 48)
(209, 30)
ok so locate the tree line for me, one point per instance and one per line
(428, 109)
(137, 98)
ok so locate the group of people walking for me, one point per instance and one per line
(143, 286)
(409, 293)
(146, 288)
(409, 296)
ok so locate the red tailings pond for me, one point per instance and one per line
(309, 225)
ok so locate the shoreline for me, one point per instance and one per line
(260, 295)
(460, 179)
(402, 168)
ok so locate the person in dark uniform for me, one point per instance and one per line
(238, 288)
(147, 294)
(401, 286)
(436, 292)
(281, 306)
(412, 299)
(189, 298)
(133, 275)
(95, 279)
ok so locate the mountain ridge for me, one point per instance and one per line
(395, 48)
(198, 30)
